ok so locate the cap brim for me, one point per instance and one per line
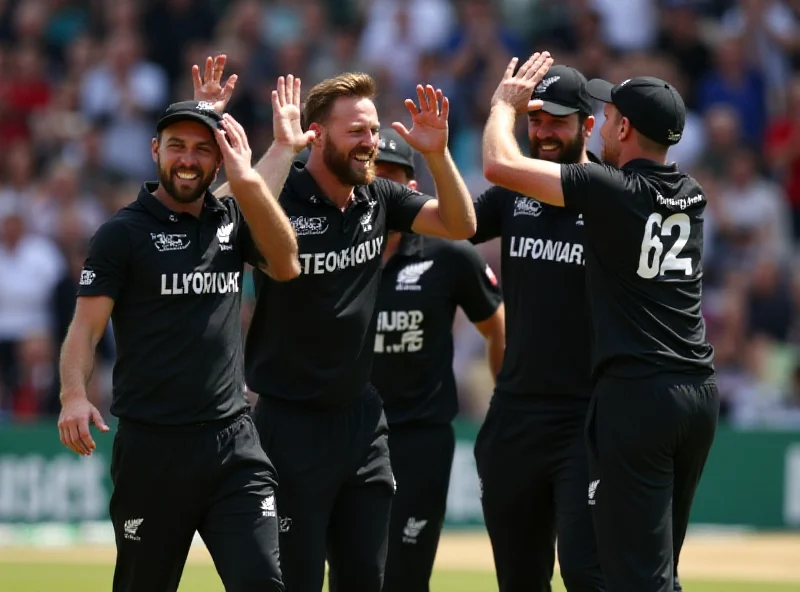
(600, 89)
(393, 159)
(557, 110)
(209, 122)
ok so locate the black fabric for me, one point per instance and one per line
(421, 287)
(543, 280)
(311, 339)
(170, 482)
(648, 441)
(422, 459)
(531, 461)
(644, 274)
(336, 489)
(176, 285)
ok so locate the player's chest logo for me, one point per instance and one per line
(526, 206)
(224, 233)
(408, 277)
(164, 241)
(309, 225)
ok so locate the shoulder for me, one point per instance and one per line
(383, 189)
(452, 250)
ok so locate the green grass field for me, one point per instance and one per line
(47, 577)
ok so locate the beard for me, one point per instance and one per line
(567, 153)
(195, 190)
(609, 154)
(340, 164)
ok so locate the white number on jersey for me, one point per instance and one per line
(650, 262)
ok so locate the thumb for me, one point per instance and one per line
(310, 136)
(401, 129)
(98, 420)
(535, 105)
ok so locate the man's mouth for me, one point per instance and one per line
(186, 175)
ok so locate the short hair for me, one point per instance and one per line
(323, 95)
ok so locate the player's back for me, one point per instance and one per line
(644, 267)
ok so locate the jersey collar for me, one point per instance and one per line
(305, 189)
(644, 164)
(162, 212)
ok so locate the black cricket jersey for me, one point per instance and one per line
(311, 339)
(548, 330)
(422, 286)
(644, 226)
(176, 285)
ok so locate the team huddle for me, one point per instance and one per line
(605, 402)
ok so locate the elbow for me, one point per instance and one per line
(468, 231)
(494, 170)
(286, 272)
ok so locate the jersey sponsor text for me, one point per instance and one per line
(199, 283)
(407, 323)
(319, 263)
(549, 250)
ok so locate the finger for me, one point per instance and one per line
(222, 141)
(310, 136)
(61, 435)
(412, 107)
(445, 113)
(230, 84)
(526, 66)
(209, 69)
(85, 435)
(281, 91)
(98, 421)
(196, 80)
(537, 64)
(276, 102)
(535, 105)
(430, 96)
(231, 134)
(290, 89)
(219, 67)
(423, 102)
(401, 129)
(296, 96)
(510, 68)
(75, 439)
(239, 131)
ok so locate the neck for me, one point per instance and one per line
(333, 189)
(194, 208)
(392, 245)
(584, 157)
(628, 156)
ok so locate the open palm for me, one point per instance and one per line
(286, 127)
(429, 131)
(209, 87)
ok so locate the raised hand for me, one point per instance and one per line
(429, 131)
(516, 89)
(209, 88)
(236, 153)
(286, 128)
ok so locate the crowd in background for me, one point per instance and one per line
(82, 83)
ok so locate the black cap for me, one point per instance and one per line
(653, 106)
(393, 148)
(202, 112)
(563, 91)
(302, 156)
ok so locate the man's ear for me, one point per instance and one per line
(318, 131)
(413, 184)
(624, 128)
(588, 126)
(154, 149)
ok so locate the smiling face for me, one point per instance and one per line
(557, 139)
(188, 159)
(349, 138)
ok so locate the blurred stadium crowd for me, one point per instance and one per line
(82, 82)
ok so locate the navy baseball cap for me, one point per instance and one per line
(653, 106)
(563, 91)
(200, 111)
(394, 149)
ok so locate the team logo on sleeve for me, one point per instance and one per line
(525, 206)
(224, 236)
(306, 225)
(87, 277)
(169, 242)
(408, 278)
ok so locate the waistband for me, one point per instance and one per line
(318, 407)
(204, 426)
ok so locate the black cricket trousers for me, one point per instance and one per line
(531, 460)
(172, 481)
(335, 494)
(422, 458)
(648, 441)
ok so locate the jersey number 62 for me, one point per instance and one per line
(651, 263)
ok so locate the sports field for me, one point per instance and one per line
(711, 563)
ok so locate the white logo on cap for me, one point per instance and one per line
(545, 84)
(205, 106)
(392, 144)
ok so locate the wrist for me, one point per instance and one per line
(72, 394)
(285, 148)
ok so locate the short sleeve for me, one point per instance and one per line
(402, 204)
(105, 270)
(478, 291)
(489, 213)
(594, 190)
(250, 250)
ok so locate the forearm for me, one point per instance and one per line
(496, 349)
(456, 209)
(76, 363)
(499, 144)
(273, 167)
(269, 226)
